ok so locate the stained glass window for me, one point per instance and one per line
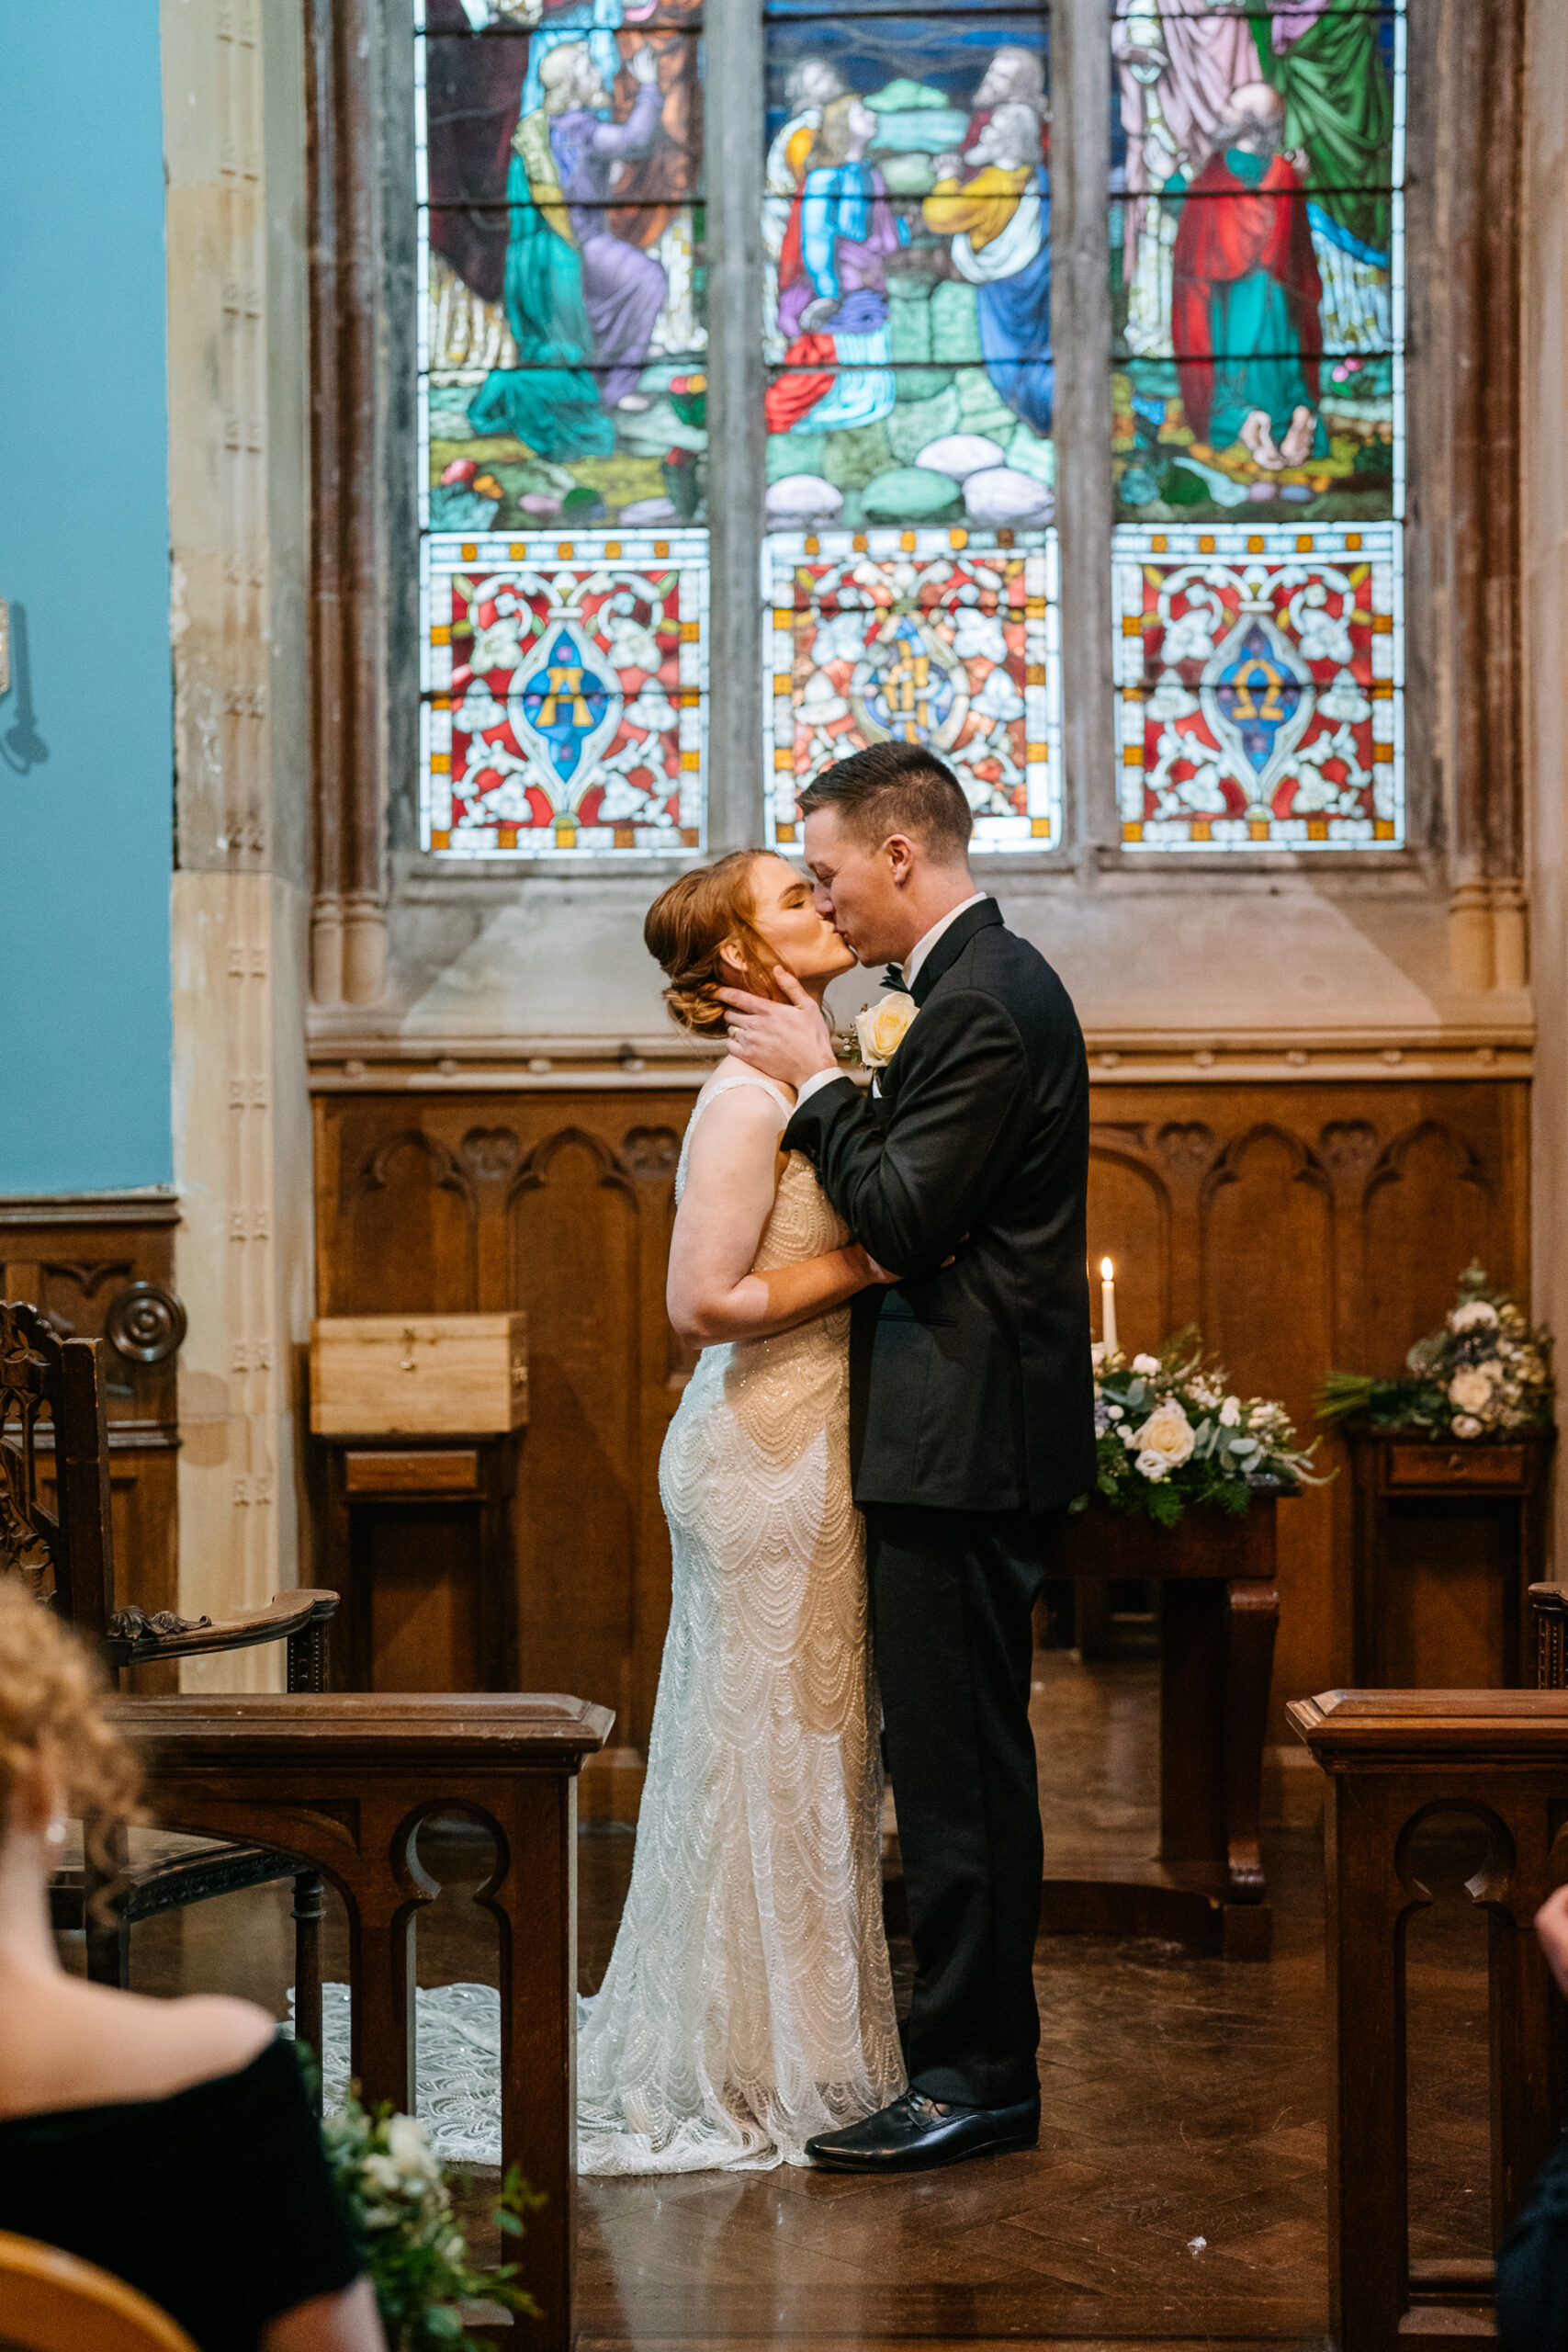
(939, 637)
(1258, 390)
(911, 472)
(562, 447)
(1259, 675)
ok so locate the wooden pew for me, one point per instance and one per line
(344, 1783)
(1393, 1757)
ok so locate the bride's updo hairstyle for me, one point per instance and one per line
(686, 931)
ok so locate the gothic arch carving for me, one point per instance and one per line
(1465, 1163)
(535, 1171)
(449, 1177)
(1305, 1166)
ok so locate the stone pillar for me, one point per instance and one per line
(233, 130)
(1487, 919)
(733, 147)
(1080, 301)
(348, 924)
(1544, 596)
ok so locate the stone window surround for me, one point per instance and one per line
(1463, 757)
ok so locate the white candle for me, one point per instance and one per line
(1108, 1305)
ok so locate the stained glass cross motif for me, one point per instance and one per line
(945, 638)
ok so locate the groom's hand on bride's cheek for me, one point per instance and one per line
(789, 1041)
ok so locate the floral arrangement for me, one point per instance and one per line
(1169, 1431)
(878, 1032)
(1484, 1374)
(400, 2207)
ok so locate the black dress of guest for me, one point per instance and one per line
(217, 2202)
(966, 1171)
(1532, 2264)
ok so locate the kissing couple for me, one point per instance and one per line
(892, 1410)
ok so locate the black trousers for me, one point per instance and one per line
(952, 1598)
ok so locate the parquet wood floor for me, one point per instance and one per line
(1177, 2194)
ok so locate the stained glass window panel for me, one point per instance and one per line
(1258, 259)
(905, 223)
(562, 382)
(938, 637)
(565, 694)
(1259, 678)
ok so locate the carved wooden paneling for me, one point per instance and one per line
(75, 1263)
(1303, 1225)
(559, 1205)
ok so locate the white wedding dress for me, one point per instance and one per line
(748, 2003)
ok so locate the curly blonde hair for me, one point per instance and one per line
(687, 928)
(52, 1690)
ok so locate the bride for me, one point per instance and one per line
(748, 2003)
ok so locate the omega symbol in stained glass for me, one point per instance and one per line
(1260, 675)
(565, 694)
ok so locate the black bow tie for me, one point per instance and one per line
(893, 977)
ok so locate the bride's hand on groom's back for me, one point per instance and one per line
(873, 1271)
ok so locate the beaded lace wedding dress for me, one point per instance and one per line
(748, 2003)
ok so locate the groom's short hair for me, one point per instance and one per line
(895, 789)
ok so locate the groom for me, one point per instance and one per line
(971, 1418)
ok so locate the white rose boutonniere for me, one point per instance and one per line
(1165, 1440)
(882, 1028)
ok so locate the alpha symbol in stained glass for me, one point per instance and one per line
(565, 687)
(567, 705)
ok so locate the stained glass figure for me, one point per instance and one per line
(1259, 677)
(906, 222)
(940, 636)
(1256, 255)
(561, 353)
(565, 694)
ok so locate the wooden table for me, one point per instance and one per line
(344, 1783)
(1447, 1536)
(1393, 1757)
(417, 1538)
(1220, 1608)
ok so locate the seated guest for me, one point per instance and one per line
(1532, 2266)
(169, 2141)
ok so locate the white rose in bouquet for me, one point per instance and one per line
(1476, 1315)
(1470, 1390)
(1165, 1440)
(882, 1028)
(1147, 1365)
(1463, 1426)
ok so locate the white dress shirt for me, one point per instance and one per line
(910, 967)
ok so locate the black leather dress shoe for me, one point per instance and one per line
(916, 2133)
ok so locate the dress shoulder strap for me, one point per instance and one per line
(729, 1080)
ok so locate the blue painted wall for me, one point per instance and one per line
(86, 773)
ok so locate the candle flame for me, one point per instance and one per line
(1107, 1271)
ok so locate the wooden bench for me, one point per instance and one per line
(1393, 1759)
(343, 1781)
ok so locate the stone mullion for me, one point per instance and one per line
(1080, 169)
(733, 150)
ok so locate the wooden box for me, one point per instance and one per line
(418, 1376)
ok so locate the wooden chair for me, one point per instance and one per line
(52, 1405)
(1549, 1602)
(51, 2302)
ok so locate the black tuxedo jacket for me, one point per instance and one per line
(971, 1386)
